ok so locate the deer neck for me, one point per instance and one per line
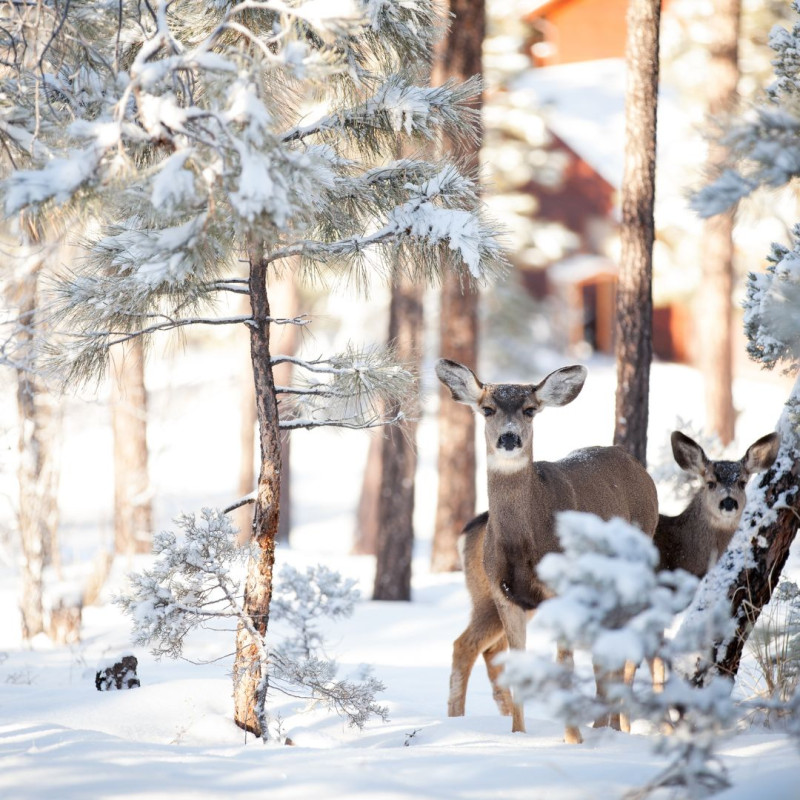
(518, 499)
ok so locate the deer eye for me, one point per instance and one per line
(529, 412)
(742, 484)
(712, 485)
(487, 411)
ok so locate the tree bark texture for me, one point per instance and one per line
(133, 507)
(283, 297)
(36, 474)
(395, 529)
(714, 307)
(459, 57)
(250, 683)
(634, 342)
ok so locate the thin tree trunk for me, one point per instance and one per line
(715, 310)
(133, 507)
(31, 455)
(459, 58)
(634, 343)
(395, 531)
(283, 294)
(249, 680)
(37, 472)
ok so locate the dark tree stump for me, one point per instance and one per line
(120, 675)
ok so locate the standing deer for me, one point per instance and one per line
(700, 534)
(502, 549)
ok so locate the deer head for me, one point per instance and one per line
(509, 408)
(723, 495)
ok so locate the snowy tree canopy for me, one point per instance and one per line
(194, 132)
(764, 149)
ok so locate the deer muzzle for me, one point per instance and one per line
(509, 441)
(728, 504)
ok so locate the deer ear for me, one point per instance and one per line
(689, 455)
(460, 380)
(762, 453)
(561, 387)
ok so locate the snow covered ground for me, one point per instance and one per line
(174, 736)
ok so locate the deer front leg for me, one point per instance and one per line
(482, 633)
(514, 622)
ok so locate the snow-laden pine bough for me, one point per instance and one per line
(606, 597)
(503, 550)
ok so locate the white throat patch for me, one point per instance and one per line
(507, 462)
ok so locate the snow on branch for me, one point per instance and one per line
(355, 389)
(609, 599)
(772, 307)
(195, 581)
(763, 150)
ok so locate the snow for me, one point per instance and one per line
(174, 736)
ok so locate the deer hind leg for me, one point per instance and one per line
(658, 670)
(603, 679)
(502, 696)
(481, 636)
(572, 734)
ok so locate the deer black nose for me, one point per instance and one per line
(509, 441)
(728, 504)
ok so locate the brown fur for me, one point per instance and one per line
(502, 550)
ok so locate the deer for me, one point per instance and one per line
(502, 547)
(696, 538)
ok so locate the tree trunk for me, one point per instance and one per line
(365, 538)
(133, 508)
(459, 58)
(768, 539)
(283, 294)
(715, 310)
(395, 529)
(634, 333)
(29, 470)
(249, 679)
(37, 474)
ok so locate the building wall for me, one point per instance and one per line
(581, 30)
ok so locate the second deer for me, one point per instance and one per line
(502, 549)
(700, 534)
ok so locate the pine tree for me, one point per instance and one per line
(199, 133)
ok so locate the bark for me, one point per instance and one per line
(395, 528)
(37, 475)
(133, 508)
(249, 680)
(459, 58)
(283, 297)
(365, 538)
(715, 312)
(634, 344)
